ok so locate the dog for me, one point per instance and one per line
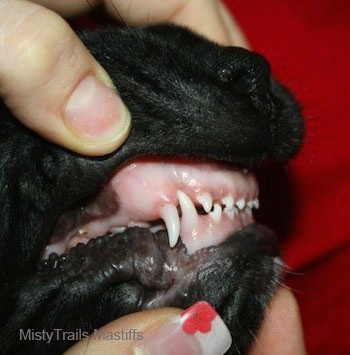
(203, 112)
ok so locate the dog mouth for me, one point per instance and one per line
(202, 203)
(170, 231)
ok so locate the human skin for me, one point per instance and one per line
(56, 109)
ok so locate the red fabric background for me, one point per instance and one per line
(308, 46)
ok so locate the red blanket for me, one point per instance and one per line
(308, 46)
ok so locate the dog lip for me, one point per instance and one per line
(256, 239)
(140, 255)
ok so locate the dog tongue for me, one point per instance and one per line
(202, 202)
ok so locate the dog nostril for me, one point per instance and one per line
(240, 80)
(246, 82)
(245, 71)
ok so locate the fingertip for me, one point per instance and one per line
(54, 86)
(127, 331)
(96, 117)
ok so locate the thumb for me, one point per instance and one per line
(52, 83)
(197, 330)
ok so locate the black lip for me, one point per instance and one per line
(256, 239)
(113, 276)
(137, 252)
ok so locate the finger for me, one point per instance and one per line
(209, 18)
(133, 12)
(281, 332)
(159, 331)
(53, 85)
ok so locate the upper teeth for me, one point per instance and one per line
(205, 199)
(170, 216)
(228, 202)
(189, 215)
(188, 223)
(240, 203)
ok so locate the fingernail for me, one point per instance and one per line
(94, 112)
(199, 330)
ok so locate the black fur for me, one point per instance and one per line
(187, 97)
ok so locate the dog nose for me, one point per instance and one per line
(244, 68)
(248, 73)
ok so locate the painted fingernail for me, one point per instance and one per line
(95, 113)
(199, 330)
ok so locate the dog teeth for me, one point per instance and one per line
(189, 213)
(205, 199)
(170, 216)
(57, 248)
(116, 230)
(228, 202)
(82, 231)
(215, 215)
(240, 204)
(187, 224)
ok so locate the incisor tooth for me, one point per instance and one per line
(228, 202)
(205, 199)
(117, 230)
(189, 213)
(240, 203)
(215, 215)
(171, 218)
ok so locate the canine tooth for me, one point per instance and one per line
(228, 202)
(240, 203)
(256, 203)
(189, 212)
(171, 219)
(205, 199)
(215, 215)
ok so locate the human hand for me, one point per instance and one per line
(281, 333)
